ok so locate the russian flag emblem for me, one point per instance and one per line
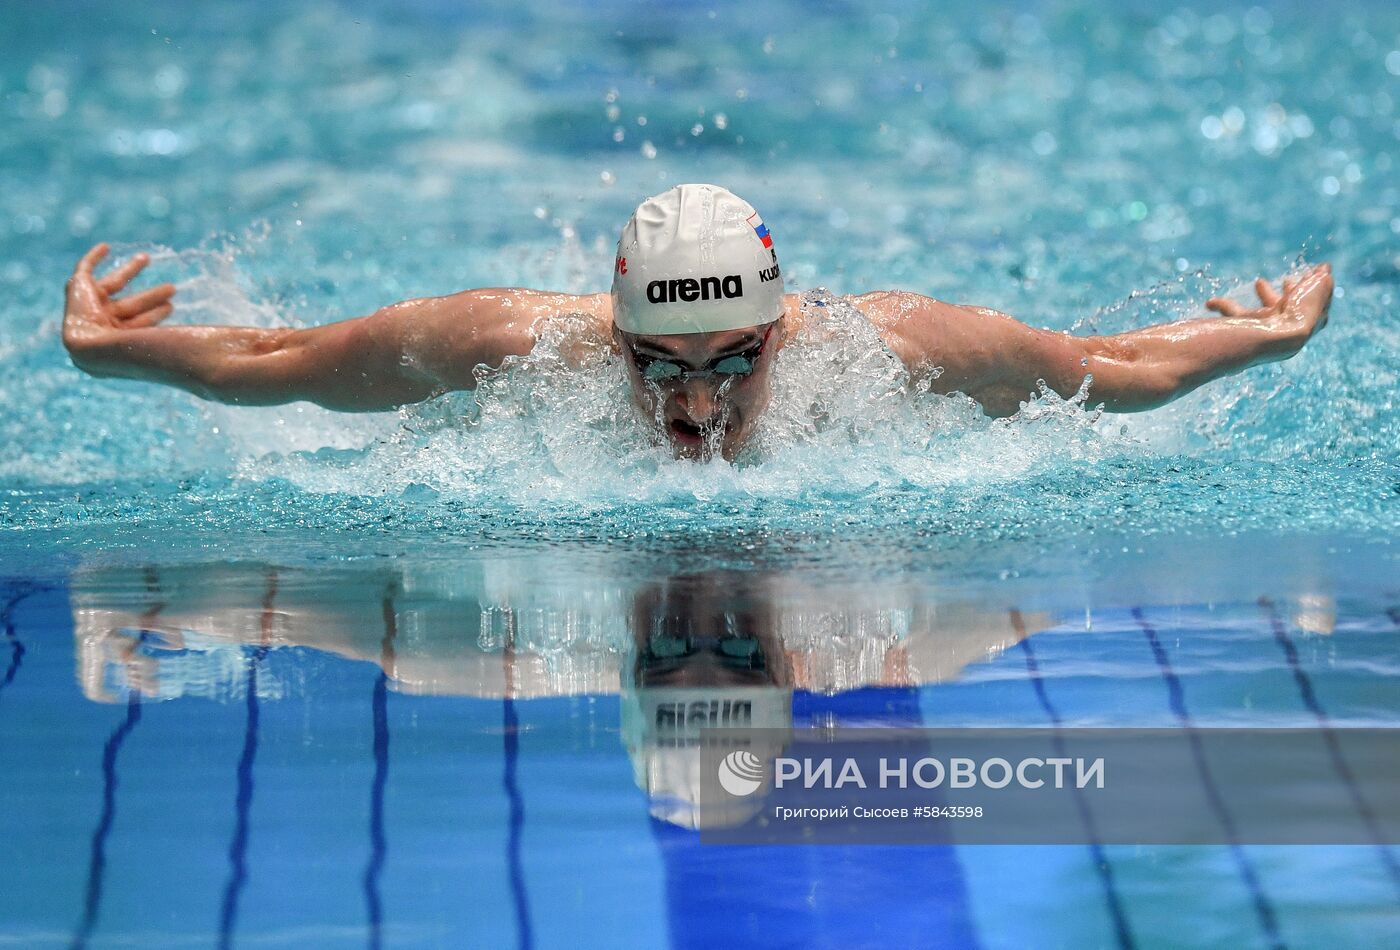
(761, 230)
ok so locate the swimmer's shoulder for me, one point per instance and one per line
(914, 326)
(891, 312)
(488, 324)
(514, 311)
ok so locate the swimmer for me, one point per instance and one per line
(697, 313)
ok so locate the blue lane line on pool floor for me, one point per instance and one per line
(1121, 929)
(97, 860)
(243, 801)
(511, 743)
(11, 637)
(1329, 736)
(1176, 698)
(243, 804)
(378, 845)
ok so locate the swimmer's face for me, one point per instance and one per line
(703, 408)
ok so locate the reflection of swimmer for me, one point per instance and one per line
(508, 629)
(697, 311)
(705, 656)
(686, 653)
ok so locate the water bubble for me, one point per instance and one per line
(168, 81)
(1330, 185)
(1392, 62)
(1265, 139)
(1043, 143)
(158, 141)
(55, 103)
(721, 121)
(42, 78)
(697, 129)
(81, 219)
(648, 150)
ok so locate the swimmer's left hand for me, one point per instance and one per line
(1296, 313)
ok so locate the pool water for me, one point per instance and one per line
(415, 752)
(283, 676)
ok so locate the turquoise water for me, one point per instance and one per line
(1085, 169)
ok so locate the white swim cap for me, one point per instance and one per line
(664, 730)
(695, 259)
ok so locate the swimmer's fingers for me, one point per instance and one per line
(1224, 306)
(137, 304)
(1267, 295)
(150, 318)
(91, 259)
(114, 281)
(81, 289)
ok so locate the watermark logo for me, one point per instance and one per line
(1051, 786)
(741, 773)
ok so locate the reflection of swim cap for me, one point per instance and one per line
(663, 730)
(695, 259)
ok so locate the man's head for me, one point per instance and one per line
(707, 653)
(697, 298)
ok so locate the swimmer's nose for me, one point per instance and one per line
(697, 398)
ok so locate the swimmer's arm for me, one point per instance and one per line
(401, 354)
(998, 360)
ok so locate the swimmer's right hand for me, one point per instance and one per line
(93, 315)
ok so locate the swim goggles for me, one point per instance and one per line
(667, 650)
(657, 370)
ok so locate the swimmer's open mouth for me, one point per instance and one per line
(687, 433)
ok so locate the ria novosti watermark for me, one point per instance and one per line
(1048, 786)
(929, 772)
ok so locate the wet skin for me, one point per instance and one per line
(418, 349)
(700, 414)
